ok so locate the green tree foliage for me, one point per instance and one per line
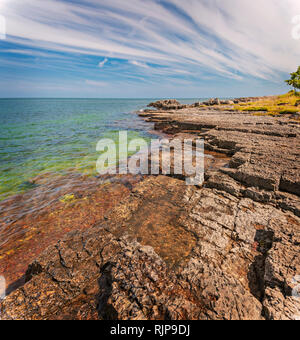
(295, 80)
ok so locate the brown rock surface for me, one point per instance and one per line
(169, 104)
(32, 221)
(229, 250)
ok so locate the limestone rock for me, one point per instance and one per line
(170, 104)
(229, 250)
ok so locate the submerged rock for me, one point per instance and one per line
(229, 250)
(170, 251)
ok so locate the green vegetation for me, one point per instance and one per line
(256, 109)
(67, 199)
(288, 111)
(285, 104)
(295, 80)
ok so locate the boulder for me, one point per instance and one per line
(169, 104)
(212, 102)
(227, 102)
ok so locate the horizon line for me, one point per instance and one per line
(140, 98)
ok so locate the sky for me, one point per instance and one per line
(147, 48)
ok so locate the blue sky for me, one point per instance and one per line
(147, 48)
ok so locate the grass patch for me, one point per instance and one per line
(273, 106)
(290, 94)
(288, 111)
(256, 109)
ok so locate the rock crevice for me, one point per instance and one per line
(229, 250)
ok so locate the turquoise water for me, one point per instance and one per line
(40, 136)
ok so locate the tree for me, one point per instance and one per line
(295, 80)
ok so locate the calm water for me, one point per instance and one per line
(40, 136)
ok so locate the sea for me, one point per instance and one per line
(57, 136)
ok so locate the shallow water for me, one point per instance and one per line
(48, 159)
(57, 135)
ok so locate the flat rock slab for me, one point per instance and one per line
(219, 262)
(229, 250)
(152, 216)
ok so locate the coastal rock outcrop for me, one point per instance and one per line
(169, 104)
(212, 102)
(209, 255)
(228, 250)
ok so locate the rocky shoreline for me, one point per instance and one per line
(173, 104)
(229, 250)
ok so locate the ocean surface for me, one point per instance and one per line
(57, 136)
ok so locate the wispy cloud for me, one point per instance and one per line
(103, 62)
(139, 64)
(232, 39)
(95, 83)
